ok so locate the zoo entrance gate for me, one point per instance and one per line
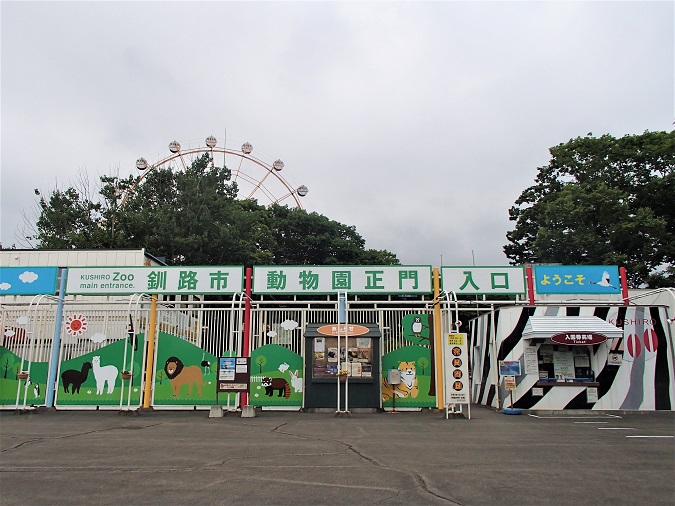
(101, 340)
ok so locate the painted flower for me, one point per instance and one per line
(76, 325)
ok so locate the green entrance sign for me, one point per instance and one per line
(160, 280)
(371, 279)
(483, 280)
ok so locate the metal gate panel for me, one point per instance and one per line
(190, 338)
(99, 343)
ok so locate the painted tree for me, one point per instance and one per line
(260, 361)
(423, 363)
(602, 201)
(7, 363)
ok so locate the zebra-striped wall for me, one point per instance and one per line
(643, 379)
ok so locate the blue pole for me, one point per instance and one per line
(56, 343)
(342, 308)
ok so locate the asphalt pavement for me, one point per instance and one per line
(187, 457)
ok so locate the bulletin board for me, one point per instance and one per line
(356, 358)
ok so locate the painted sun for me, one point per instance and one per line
(76, 325)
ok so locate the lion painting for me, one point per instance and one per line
(179, 375)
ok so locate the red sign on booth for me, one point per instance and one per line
(579, 338)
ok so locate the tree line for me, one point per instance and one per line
(193, 217)
(599, 201)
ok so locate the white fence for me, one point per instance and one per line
(216, 327)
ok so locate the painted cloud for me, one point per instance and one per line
(5, 286)
(28, 276)
(289, 325)
(98, 337)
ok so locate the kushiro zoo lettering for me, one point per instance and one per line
(621, 323)
(118, 279)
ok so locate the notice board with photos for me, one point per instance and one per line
(234, 374)
(356, 358)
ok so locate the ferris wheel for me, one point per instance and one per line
(255, 178)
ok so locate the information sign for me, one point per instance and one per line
(531, 361)
(507, 367)
(510, 382)
(592, 394)
(456, 356)
(234, 374)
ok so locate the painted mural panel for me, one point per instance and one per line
(33, 387)
(95, 378)
(417, 370)
(417, 387)
(185, 374)
(276, 377)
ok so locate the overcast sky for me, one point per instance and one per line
(419, 123)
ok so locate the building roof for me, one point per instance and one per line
(543, 327)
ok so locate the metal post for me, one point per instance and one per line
(150, 359)
(247, 325)
(56, 344)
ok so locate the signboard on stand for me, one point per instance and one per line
(234, 374)
(456, 357)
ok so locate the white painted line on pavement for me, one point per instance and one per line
(650, 436)
(616, 428)
(573, 417)
(591, 422)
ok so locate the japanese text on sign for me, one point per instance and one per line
(577, 279)
(484, 280)
(355, 279)
(130, 280)
(456, 358)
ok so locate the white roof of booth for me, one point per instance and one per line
(543, 327)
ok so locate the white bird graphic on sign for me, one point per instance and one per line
(604, 281)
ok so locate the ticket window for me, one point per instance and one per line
(565, 363)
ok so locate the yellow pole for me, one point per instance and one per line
(438, 342)
(150, 359)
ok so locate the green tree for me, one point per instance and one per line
(299, 238)
(192, 217)
(605, 201)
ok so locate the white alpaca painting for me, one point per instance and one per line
(103, 374)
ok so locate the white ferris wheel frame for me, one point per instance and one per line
(258, 184)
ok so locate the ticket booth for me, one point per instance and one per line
(355, 364)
